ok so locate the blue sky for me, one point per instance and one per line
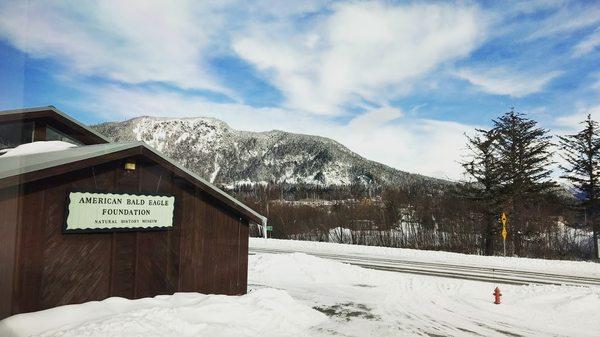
(396, 81)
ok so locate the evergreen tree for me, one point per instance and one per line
(524, 156)
(483, 169)
(581, 152)
(510, 167)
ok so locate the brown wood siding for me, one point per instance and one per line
(70, 262)
(206, 251)
(39, 130)
(30, 250)
(243, 258)
(191, 241)
(221, 257)
(8, 248)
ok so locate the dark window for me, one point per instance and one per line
(53, 134)
(15, 134)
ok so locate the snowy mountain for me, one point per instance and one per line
(231, 157)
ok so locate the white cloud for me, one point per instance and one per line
(588, 44)
(384, 134)
(142, 41)
(376, 117)
(572, 122)
(429, 147)
(361, 50)
(569, 18)
(500, 81)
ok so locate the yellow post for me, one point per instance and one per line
(504, 220)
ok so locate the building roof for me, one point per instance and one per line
(57, 117)
(21, 169)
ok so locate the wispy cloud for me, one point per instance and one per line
(500, 81)
(360, 51)
(571, 17)
(588, 44)
(143, 41)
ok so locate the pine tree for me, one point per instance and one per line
(483, 170)
(581, 153)
(524, 156)
(510, 166)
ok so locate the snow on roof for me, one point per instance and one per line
(30, 162)
(37, 147)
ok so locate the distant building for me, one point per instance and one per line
(104, 219)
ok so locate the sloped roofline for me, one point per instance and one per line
(53, 113)
(17, 170)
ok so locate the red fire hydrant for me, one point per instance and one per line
(497, 295)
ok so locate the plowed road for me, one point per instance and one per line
(475, 273)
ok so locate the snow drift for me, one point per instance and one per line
(262, 312)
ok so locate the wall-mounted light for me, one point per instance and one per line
(130, 166)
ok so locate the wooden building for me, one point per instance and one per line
(201, 247)
(43, 124)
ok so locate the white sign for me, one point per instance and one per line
(107, 211)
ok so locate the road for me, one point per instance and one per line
(475, 273)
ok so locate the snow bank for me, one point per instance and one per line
(37, 147)
(262, 312)
(578, 268)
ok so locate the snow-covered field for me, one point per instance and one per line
(347, 300)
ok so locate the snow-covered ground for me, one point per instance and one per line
(363, 302)
(573, 268)
(302, 295)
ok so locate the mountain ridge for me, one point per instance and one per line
(230, 157)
